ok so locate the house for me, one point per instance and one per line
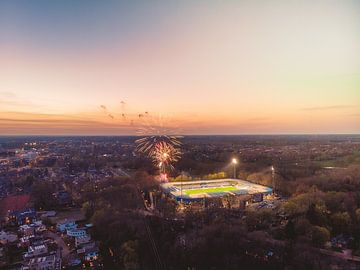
(7, 237)
(74, 262)
(42, 263)
(25, 241)
(341, 241)
(91, 254)
(21, 217)
(90, 251)
(47, 214)
(27, 230)
(82, 240)
(35, 251)
(66, 225)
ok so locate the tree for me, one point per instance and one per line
(316, 215)
(130, 255)
(182, 177)
(256, 220)
(320, 235)
(42, 195)
(340, 222)
(290, 230)
(302, 226)
(358, 214)
(166, 206)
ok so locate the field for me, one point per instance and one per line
(209, 190)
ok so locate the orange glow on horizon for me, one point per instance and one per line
(209, 66)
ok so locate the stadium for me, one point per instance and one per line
(195, 191)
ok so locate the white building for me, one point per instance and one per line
(76, 233)
(43, 263)
(34, 251)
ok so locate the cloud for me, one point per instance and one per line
(49, 121)
(326, 108)
(11, 100)
(6, 94)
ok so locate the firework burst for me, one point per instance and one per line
(165, 155)
(163, 149)
(158, 141)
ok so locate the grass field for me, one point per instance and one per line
(209, 190)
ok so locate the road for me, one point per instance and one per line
(60, 242)
(340, 255)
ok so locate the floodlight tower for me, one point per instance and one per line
(273, 178)
(234, 163)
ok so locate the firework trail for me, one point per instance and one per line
(105, 110)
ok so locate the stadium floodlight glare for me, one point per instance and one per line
(273, 178)
(234, 162)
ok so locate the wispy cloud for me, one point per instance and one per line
(326, 108)
(49, 121)
(11, 100)
(7, 94)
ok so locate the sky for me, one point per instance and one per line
(202, 67)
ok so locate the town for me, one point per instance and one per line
(63, 197)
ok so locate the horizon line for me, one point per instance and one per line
(184, 135)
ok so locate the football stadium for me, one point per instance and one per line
(192, 191)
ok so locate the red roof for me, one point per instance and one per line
(13, 203)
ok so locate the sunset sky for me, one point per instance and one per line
(208, 67)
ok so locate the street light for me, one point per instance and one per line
(234, 162)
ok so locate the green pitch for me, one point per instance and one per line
(209, 190)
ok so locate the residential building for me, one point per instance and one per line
(76, 232)
(66, 225)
